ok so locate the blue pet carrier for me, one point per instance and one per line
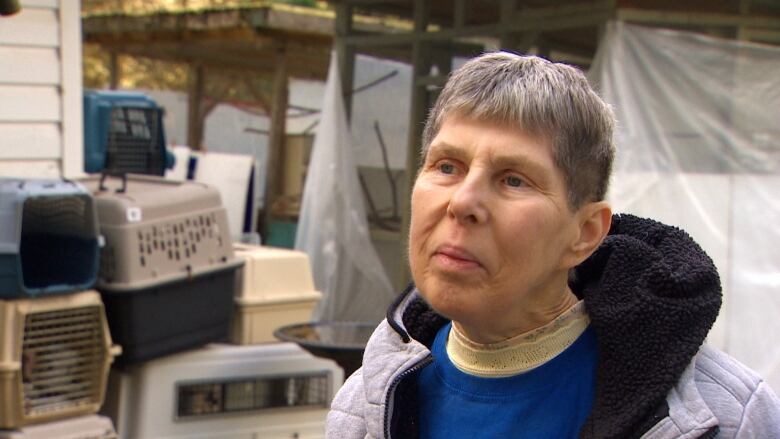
(48, 238)
(124, 133)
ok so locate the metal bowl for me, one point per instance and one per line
(343, 342)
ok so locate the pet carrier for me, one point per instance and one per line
(275, 288)
(82, 427)
(274, 391)
(56, 352)
(48, 238)
(167, 269)
(123, 132)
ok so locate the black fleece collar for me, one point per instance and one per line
(652, 295)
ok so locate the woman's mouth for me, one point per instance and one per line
(451, 257)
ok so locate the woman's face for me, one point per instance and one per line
(490, 227)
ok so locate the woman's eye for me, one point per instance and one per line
(446, 168)
(513, 181)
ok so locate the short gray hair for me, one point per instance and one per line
(546, 99)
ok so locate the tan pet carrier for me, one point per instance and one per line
(56, 353)
(167, 270)
(275, 289)
(220, 391)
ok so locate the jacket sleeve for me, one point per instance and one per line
(761, 417)
(345, 419)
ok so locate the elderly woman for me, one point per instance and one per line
(535, 313)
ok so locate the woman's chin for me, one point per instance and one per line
(449, 300)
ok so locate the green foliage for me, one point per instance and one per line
(243, 87)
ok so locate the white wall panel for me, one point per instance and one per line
(31, 27)
(29, 104)
(30, 141)
(29, 65)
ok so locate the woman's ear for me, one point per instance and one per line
(594, 220)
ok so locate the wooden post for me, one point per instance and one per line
(744, 9)
(459, 14)
(194, 119)
(276, 140)
(508, 38)
(345, 53)
(114, 70)
(421, 66)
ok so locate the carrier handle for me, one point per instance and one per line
(104, 174)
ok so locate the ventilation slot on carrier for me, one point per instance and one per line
(62, 359)
(107, 263)
(179, 240)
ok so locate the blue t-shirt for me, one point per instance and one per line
(550, 401)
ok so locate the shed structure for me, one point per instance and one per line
(567, 30)
(277, 41)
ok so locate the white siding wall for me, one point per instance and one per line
(41, 127)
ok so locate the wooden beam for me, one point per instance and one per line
(276, 139)
(408, 38)
(298, 22)
(554, 44)
(524, 20)
(702, 19)
(762, 35)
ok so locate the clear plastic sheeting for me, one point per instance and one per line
(382, 96)
(699, 147)
(333, 229)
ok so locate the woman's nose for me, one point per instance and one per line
(467, 202)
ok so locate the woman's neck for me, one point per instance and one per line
(531, 317)
(521, 353)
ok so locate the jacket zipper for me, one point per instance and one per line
(711, 433)
(414, 368)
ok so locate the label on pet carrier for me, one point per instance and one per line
(133, 214)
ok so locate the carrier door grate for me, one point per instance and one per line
(134, 141)
(250, 394)
(63, 353)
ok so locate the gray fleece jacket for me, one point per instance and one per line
(652, 296)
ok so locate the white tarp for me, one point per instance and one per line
(699, 147)
(333, 229)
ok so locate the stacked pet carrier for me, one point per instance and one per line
(271, 390)
(172, 283)
(275, 289)
(56, 347)
(124, 133)
(167, 269)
